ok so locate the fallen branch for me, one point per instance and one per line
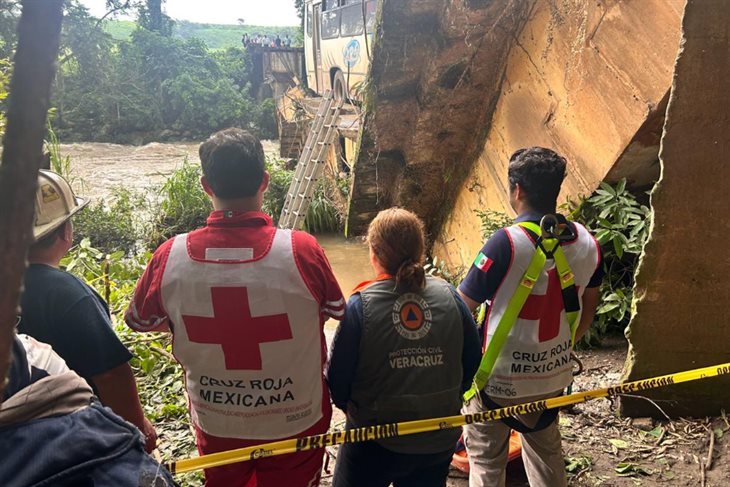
(708, 462)
(651, 401)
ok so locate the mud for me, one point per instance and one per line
(101, 167)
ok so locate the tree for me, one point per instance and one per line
(152, 18)
(38, 33)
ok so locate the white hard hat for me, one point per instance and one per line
(55, 203)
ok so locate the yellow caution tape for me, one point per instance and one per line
(421, 426)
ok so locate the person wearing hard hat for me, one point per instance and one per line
(59, 309)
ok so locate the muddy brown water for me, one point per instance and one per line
(101, 167)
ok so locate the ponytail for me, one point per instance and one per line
(410, 278)
(396, 238)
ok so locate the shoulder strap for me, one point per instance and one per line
(518, 299)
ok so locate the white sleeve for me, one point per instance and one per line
(41, 356)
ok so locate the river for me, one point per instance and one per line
(101, 167)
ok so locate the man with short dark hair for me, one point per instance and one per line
(532, 352)
(246, 303)
(59, 309)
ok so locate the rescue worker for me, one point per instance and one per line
(531, 354)
(59, 309)
(54, 432)
(406, 350)
(246, 303)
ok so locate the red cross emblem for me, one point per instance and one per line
(547, 308)
(233, 328)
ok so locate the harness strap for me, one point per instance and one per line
(571, 303)
(547, 417)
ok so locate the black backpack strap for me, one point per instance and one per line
(547, 417)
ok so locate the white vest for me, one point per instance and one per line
(535, 359)
(248, 335)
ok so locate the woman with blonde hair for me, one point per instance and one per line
(406, 350)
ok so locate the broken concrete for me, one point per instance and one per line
(434, 82)
(680, 319)
(587, 78)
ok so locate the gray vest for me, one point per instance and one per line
(409, 364)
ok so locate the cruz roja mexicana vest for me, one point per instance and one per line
(535, 358)
(409, 363)
(247, 334)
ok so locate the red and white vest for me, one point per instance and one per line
(248, 334)
(535, 359)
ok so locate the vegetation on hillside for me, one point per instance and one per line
(215, 36)
(159, 82)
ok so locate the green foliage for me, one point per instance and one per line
(59, 163)
(159, 377)
(279, 180)
(438, 268)
(264, 120)
(620, 223)
(215, 36)
(183, 205)
(322, 215)
(151, 85)
(492, 222)
(4, 83)
(113, 227)
(113, 274)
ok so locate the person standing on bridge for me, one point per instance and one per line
(406, 350)
(529, 332)
(246, 304)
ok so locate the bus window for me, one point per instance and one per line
(331, 24)
(352, 20)
(309, 21)
(370, 8)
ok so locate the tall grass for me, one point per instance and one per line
(183, 205)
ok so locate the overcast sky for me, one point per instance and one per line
(253, 12)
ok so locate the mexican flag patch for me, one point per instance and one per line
(482, 262)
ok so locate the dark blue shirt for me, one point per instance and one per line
(59, 309)
(481, 285)
(346, 347)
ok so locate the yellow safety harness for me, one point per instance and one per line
(546, 247)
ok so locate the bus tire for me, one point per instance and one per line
(339, 86)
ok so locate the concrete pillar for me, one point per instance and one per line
(682, 297)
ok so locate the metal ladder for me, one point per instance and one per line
(311, 163)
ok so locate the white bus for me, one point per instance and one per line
(337, 42)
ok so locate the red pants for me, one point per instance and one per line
(301, 469)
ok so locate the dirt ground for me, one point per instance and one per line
(605, 450)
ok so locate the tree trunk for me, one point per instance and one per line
(39, 30)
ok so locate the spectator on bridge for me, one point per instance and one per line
(287, 41)
(245, 40)
(277, 41)
(61, 310)
(247, 304)
(265, 41)
(533, 362)
(407, 349)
